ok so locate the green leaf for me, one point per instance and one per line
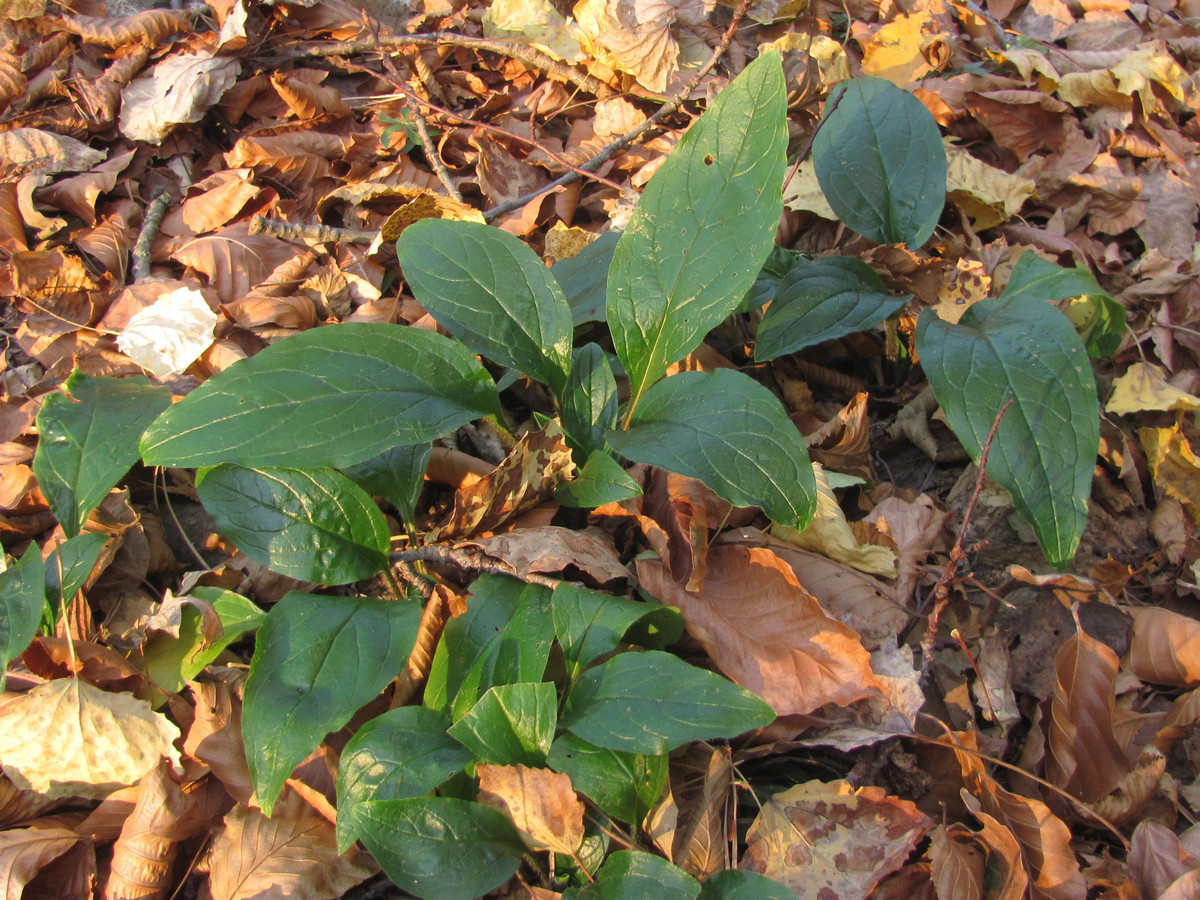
(1097, 317)
(589, 408)
(315, 525)
(512, 724)
(330, 396)
(730, 432)
(397, 475)
(652, 702)
(739, 884)
(705, 223)
(600, 481)
(504, 637)
(170, 660)
(584, 278)
(316, 661)
(822, 300)
(87, 441)
(634, 875)
(880, 162)
(625, 785)
(1021, 348)
(441, 848)
(22, 599)
(492, 292)
(589, 624)
(70, 563)
(403, 753)
(778, 263)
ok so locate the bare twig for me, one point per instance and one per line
(150, 225)
(941, 590)
(467, 559)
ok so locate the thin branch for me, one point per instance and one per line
(150, 225)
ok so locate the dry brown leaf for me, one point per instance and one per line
(215, 737)
(233, 260)
(1022, 121)
(915, 526)
(150, 27)
(766, 632)
(702, 784)
(842, 444)
(956, 863)
(1157, 862)
(1165, 648)
(26, 851)
(292, 854)
(17, 805)
(67, 738)
(1004, 853)
(825, 840)
(216, 200)
(51, 658)
(542, 804)
(552, 548)
(305, 96)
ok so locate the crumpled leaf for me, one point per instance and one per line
(67, 738)
(541, 803)
(170, 334)
(990, 196)
(1144, 387)
(534, 22)
(180, 88)
(26, 851)
(1173, 464)
(636, 36)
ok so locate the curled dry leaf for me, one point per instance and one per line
(1003, 852)
(26, 851)
(766, 632)
(1165, 647)
(701, 793)
(542, 804)
(150, 27)
(215, 737)
(552, 548)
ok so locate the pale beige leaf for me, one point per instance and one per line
(70, 739)
(987, 194)
(1165, 648)
(1144, 387)
(542, 804)
(170, 334)
(826, 840)
(291, 855)
(180, 88)
(46, 152)
(774, 639)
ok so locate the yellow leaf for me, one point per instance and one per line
(987, 194)
(895, 51)
(804, 193)
(424, 204)
(534, 22)
(1173, 465)
(542, 804)
(1143, 388)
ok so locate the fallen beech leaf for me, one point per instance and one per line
(956, 863)
(541, 803)
(168, 336)
(988, 195)
(49, 153)
(1004, 853)
(215, 738)
(1173, 464)
(180, 88)
(825, 840)
(150, 27)
(1165, 648)
(697, 836)
(1157, 861)
(1022, 121)
(1144, 387)
(915, 527)
(552, 548)
(69, 739)
(26, 851)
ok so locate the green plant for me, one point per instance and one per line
(293, 442)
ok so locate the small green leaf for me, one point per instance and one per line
(1099, 319)
(739, 884)
(589, 624)
(625, 785)
(652, 702)
(779, 263)
(730, 432)
(315, 525)
(87, 441)
(22, 600)
(822, 300)
(600, 481)
(316, 661)
(880, 162)
(492, 292)
(584, 278)
(634, 875)
(441, 848)
(330, 396)
(397, 475)
(170, 660)
(70, 563)
(1021, 348)
(512, 724)
(504, 637)
(705, 223)
(403, 753)
(589, 408)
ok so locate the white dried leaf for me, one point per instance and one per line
(167, 336)
(181, 88)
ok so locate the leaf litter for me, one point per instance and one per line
(259, 149)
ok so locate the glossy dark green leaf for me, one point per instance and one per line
(511, 725)
(397, 475)
(705, 223)
(589, 408)
(625, 785)
(738, 884)
(584, 278)
(1021, 348)
(778, 263)
(88, 438)
(730, 432)
(22, 600)
(330, 396)
(317, 660)
(504, 637)
(821, 300)
(70, 563)
(634, 875)
(315, 525)
(880, 162)
(492, 292)
(589, 624)
(403, 753)
(172, 659)
(1099, 319)
(601, 480)
(441, 848)
(652, 702)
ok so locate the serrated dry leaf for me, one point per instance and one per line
(542, 804)
(69, 739)
(825, 840)
(773, 639)
(1165, 648)
(534, 22)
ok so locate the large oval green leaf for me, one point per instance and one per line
(880, 162)
(634, 875)
(441, 848)
(1099, 319)
(1021, 348)
(316, 661)
(330, 396)
(705, 223)
(315, 525)
(730, 432)
(625, 785)
(822, 300)
(22, 600)
(492, 292)
(88, 438)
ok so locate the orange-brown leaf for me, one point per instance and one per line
(1165, 648)
(542, 804)
(149, 27)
